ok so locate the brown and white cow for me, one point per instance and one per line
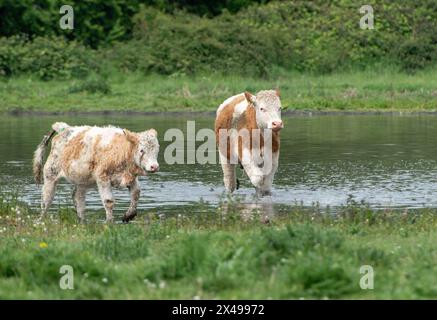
(247, 132)
(103, 156)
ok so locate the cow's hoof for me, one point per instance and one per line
(129, 216)
(263, 193)
(265, 219)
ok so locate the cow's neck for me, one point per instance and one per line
(134, 169)
(247, 119)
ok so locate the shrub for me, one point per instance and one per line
(187, 44)
(308, 36)
(315, 36)
(415, 54)
(96, 21)
(91, 85)
(47, 58)
(11, 55)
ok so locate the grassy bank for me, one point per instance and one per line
(300, 255)
(355, 91)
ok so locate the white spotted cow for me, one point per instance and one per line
(86, 156)
(247, 132)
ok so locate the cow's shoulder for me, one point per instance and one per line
(247, 119)
(229, 111)
(231, 102)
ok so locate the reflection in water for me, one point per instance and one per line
(262, 209)
(387, 161)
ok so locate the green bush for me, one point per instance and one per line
(315, 36)
(96, 22)
(91, 85)
(186, 44)
(307, 36)
(46, 58)
(11, 55)
(199, 7)
(416, 54)
(30, 17)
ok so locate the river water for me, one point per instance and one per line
(383, 160)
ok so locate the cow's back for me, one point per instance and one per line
(86, 152)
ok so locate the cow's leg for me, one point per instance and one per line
(229, 176)
(51, 172)
(255, 175)
(261, 171)
(134, 190)
(79, 201)
(48, 193)
(105, 191)
(266, 185)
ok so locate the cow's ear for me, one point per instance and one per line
(152, 132)
(278, 92)
(148, 134)
(250, 97)
(130, 136)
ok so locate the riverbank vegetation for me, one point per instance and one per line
(383, 90)
(305, 253)
(174, 55)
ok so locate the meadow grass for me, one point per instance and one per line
(370, 90)
(303, 254)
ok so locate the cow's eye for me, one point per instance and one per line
(142, 150)
(262, 109)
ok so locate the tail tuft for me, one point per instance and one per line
(38, 157)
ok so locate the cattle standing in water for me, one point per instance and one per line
(260, 115)
(86, 156)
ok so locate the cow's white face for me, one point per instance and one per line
(268, 109)
(147, 151)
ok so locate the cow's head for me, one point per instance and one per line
(146, 149)
(267, 104)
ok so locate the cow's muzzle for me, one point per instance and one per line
(153, 168)
(277, 125)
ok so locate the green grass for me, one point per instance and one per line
(355, 91)
(303, 254)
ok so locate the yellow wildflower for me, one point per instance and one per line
(43, 245)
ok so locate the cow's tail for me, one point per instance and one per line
(38, 156)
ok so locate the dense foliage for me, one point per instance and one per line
(156, 37)
(47, 58)
(96, 21)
